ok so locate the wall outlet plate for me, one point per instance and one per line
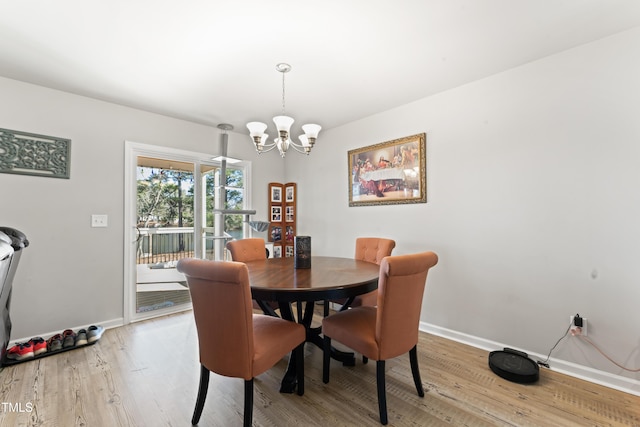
(99, 220)
(574, 330)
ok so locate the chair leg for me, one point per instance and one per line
(326, 308)
(382, 394)
(365, 360)
(415, 370)
(248, 403)
(298, 353)
(202, 394)
(326, 359)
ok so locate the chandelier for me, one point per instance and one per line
(283, 124)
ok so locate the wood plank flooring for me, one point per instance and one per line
(146, 374)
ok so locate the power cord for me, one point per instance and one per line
(578, 319)
(583, 338)
(545, 362)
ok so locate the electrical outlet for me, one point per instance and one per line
(99, 220)
(578, 330)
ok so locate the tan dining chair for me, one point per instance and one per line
(232, 340)
(370, 249)
(245, 250)
(253, 249)
(390, 329)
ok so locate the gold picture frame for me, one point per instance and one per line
(389, 173)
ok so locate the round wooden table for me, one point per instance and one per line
(276, 279)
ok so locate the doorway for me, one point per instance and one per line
(169, 203)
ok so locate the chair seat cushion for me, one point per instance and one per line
(273, 338)
(356, 328)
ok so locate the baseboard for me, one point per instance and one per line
(606, 379)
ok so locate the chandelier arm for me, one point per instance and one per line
(267, 147)
(299, 147)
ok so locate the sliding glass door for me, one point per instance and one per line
(172, 204)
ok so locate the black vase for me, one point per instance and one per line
(302, 251)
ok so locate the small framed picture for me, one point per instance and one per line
(290, 232)
(289, 214)
(288, 251)
(275, 233)
(276, 213)
(276, 194)
(277, 251)
(290, 194)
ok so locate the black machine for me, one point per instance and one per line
(514, 365)
(12, 242)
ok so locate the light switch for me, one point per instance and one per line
(99, 220)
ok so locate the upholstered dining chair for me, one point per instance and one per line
(245, 250)
(232, 340)
(390, 329)
(370, 249)
(253, 249)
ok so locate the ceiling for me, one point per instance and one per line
(213, 61)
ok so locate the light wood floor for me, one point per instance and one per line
(146, 374)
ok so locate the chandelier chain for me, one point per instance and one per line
(283, 93)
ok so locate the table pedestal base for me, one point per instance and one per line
(289, 382)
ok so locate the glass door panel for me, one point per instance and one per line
(209, 177)
(165, 232)
(221, 198)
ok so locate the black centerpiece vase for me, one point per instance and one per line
(302, 251)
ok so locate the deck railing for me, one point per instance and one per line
(163, 245)
(170, 244)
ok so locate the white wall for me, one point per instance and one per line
(533, 186)
(71, 274)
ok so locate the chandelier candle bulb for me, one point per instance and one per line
(283, 123)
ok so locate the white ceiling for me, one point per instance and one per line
(213, 61)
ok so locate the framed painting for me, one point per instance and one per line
(389, 173)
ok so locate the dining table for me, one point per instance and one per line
(328, 278)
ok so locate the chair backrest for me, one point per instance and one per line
(400, 289)
(245, 250)
(373, 249)
(221, 300)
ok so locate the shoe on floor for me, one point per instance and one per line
(68, 338)
(81, 338)
(39, 345)
(20, 351)
(94, 333)
(55, 342)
